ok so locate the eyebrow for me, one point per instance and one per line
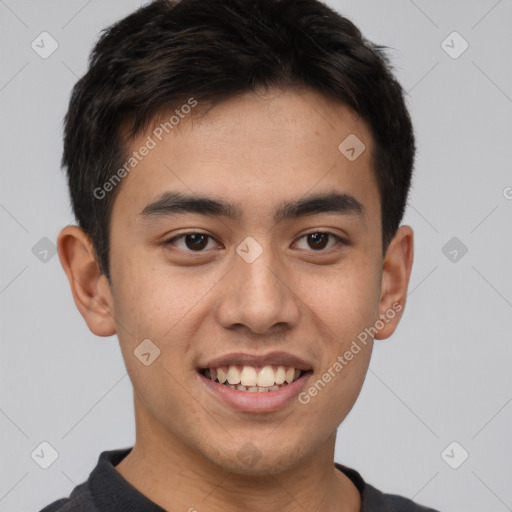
(172, 203)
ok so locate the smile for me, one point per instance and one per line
(255, 383)
(253, 379)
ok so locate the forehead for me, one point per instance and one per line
(256, 148)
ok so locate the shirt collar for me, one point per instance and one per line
(112, 492)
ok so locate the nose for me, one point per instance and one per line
(259, 295)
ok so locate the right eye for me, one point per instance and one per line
(194, 241)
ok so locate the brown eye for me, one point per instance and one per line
(194, 242)
(318, 240)
(197, 241)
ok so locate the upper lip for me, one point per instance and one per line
(270, 358)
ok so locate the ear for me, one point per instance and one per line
(395, 280)
(89, 286)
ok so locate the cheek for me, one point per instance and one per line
(162, 303)
(345, 299)
(331, 394)
(144, 299)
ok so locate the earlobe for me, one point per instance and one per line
(90, 288)
(395, 280)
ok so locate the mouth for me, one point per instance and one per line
(253, 379)
(255, 383)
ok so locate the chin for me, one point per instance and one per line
(259, 457)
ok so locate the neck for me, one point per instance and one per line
(176, 477)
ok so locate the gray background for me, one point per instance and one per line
(445, 374)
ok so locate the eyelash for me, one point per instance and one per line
(172, 240)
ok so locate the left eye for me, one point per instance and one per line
(196, 242)
(193, 241)
(317, 240)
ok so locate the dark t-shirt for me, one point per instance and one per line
(107, 491)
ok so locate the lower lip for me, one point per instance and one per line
(256, 401)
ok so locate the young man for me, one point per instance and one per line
(239, 171)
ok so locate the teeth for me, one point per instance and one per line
(266, 377)
(221, 375)
(280, 375)
(248, 376)
(250, 379)
(233, 375)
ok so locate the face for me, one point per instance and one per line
(252, 290)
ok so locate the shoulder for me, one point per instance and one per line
(382, 502)
(373, 500)
(80, 500)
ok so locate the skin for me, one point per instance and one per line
(255, 150)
